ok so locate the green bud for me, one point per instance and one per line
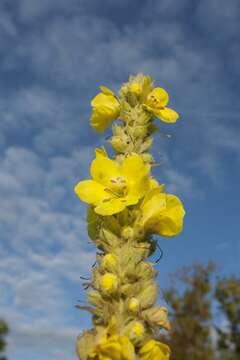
(134, 305)
(146, 144)
(148, 158)
(148, 294)
(139, 131)
(135, 331)
(85, 345)
(94, 297)
(118, 144)
(127, 232)
(110, 263)
(108, 283)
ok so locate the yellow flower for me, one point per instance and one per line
(162, 213)
(106, 108)
(156, 104)
(109, 283)
(114, 186)
(154, 350)
(114, 348)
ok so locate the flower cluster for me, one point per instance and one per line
(127, 206)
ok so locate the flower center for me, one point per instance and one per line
(118, 185)
(154, 101)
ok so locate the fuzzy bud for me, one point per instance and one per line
(109, 283)
(133, 305)
(110, 263)
(157, 316)
(136, 332)
(127, 232)
(139, 131)
(148, 158)
(118, 144)
(94, 297)
(148, 295)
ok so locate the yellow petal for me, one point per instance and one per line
(91, 192)
(128, 352)
(102, 151)
(137, 190)
(105, 100)
(100, 121)
(154, 350)
(171, 220)
(157, 98)
(106, 90)
(155, 189)
(134, 167)
(163, 214)
(110, 207)
(105, 109)
(167, 115)
(154, 204)
(103, 168)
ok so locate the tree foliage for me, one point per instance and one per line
(3, 333)
(190, 314)
(228, 296)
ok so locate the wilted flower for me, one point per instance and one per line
(114, 186)
(106, 108)
(156, 104)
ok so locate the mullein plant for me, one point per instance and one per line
(127, 207)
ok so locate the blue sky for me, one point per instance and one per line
(53, 56)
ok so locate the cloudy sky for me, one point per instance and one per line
(53, 56)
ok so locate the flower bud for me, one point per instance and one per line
(110, 263)
(148, 295)
(136, 332)
(127, 232)
(133, 305)
(94, 297)
(109, 283)
(139, 131)
(118, 143)
(148, 158)
(135, 88)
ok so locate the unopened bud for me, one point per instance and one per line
(157, 316)
(136, 332)
(118, 144)
(139, 131)
(109, 283)
(133, 305)
(109, 263)
(148, 295)
(127, 232)
(135, 88)
(148, 158)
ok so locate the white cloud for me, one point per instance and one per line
(44, 247)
